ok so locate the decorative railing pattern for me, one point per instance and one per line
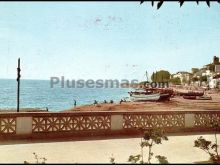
(153, 121)
(72, 123)
(48, 124)
(207, 120)
(7, 125)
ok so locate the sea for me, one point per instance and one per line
(39, 94)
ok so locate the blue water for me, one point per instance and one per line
(39, 94)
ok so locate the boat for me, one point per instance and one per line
(204, 98)
(189, 97)
(192, 93)
(164, 97)
(151, 94)
(140, 91)
(145, 97)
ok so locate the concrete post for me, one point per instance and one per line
(189, 120)
(116, 122)
(23, 125)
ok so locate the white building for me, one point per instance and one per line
(184, 76)
(214, 80)
(217, 68)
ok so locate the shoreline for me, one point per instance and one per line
(176, 103)
(22, 110)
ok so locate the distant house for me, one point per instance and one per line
(208, 75)
(214, 80)
(213, 72)
(214, 66)
(183, 76)
(202, 72)
(217, 68)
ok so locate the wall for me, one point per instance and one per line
(51, 125)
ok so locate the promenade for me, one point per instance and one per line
(178, 149)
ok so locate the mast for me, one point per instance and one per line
(147, 76)
(18, 87)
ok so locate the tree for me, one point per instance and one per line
(151, 137)
(194, 79)
(160, 76)
(208, 146)
(175, 81)
(203, 78)
(159, 4)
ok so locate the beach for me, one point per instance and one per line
(176, 103)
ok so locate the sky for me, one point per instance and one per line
(106, 40)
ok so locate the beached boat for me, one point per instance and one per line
(189, 97)
(140, 92)
(151, 94)
(164, 97)
(192, 93)
(204, 98)
(145, 97)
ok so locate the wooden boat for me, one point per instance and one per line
(164, 91)
(189, 97)
(151, 94)
(164, 97)
(192, 93)
(204, 98)
(145, 97)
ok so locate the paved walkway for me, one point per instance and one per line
(179, 149)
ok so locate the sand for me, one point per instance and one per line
(176, 103)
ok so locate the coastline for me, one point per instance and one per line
(176, 103)
(22, 110)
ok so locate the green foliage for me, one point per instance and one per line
(156, 135)
(162, 159)
(112, 160)
(194, 79)
(203, 78)
(175, 81)
(160, 76)
(159, 4)
(150, 138)
(37, 159)
(208, 146)
(134, 158)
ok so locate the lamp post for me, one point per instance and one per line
(18, 87)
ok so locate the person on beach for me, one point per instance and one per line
(121, 101)
(95, 102)
(74, 103)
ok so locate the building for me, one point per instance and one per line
(205, 75)
(183, 76)
(214, 80)
(214, 66)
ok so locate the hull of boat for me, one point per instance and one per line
(189, 97)
(164, 97)
(204, 98)
(191, 93)
(141, 97)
